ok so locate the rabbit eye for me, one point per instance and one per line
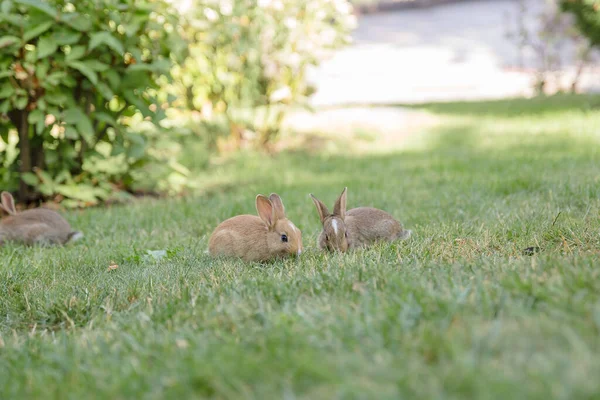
(284, 238)
(326, 237)
(346, 235)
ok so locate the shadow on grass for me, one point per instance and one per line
(506, 107)
(516, 107)
(453, 167)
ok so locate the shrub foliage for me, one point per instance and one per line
(84, 85)
(72, 74)
(250, 61)
(587, 15)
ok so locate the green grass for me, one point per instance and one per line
(455, 312)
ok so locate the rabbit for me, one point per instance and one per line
(37, 226)
(358, 227)
(266, 237)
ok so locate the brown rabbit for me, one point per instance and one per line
(36, 226)
(252, 238)
(358, 227)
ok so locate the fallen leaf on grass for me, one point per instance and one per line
(156, 254)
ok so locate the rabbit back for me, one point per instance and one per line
(242, 236)
(37, 226)
(367, 225)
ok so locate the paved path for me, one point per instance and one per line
(449, 52)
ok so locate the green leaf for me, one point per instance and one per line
(46, 189)
(71, 133)
(69, 81)
(96, 65)
(45, 47)
(6, 73)
(135, 79)
(37, 118)
(66, 37)
(57, 97)
(79, 192)
(4, 132)
(37, 31)
(138, 103)
(156, 255)
(85, 70)
(104, 90)
(4, 106)
(6, 41)
(6, 90)
(106, 118)
(41, 70)
(77, 21)
(44, 177)
(113, 78)
(39, 5)
(54, 79)
(106, 38)
(21, 103)
(30, 178)
(75, 116)
(156, 66)
(14, 20)
(40, 126)
(117, 149)
(6, 6)
(140, 67)
(75, 54)
(63, 176)
(133, 26)
(41, 103)
(137, 146)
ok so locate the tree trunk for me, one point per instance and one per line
(25, 155)
(19, 120)
(37, 153)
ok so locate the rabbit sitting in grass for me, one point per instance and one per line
(266, 237)
(37, 226)
(358, 227)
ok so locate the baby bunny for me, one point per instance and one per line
(257, 239)
(36, 226)
(358, 227)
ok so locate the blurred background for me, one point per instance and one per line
(102, 102)
(457, 50)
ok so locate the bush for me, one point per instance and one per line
(554, 42)
(587, 16)
(84, 85)
(73, 76)
(249, 63)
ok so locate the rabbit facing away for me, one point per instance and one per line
(358, 227)
(36, 226)
(266, 237)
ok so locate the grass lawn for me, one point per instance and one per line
(457, 311)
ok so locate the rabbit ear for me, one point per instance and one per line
(277, 206)
(265, 210)
(8, 203)
(321, 208)
(339, 209)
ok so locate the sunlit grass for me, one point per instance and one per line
(457, 311)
